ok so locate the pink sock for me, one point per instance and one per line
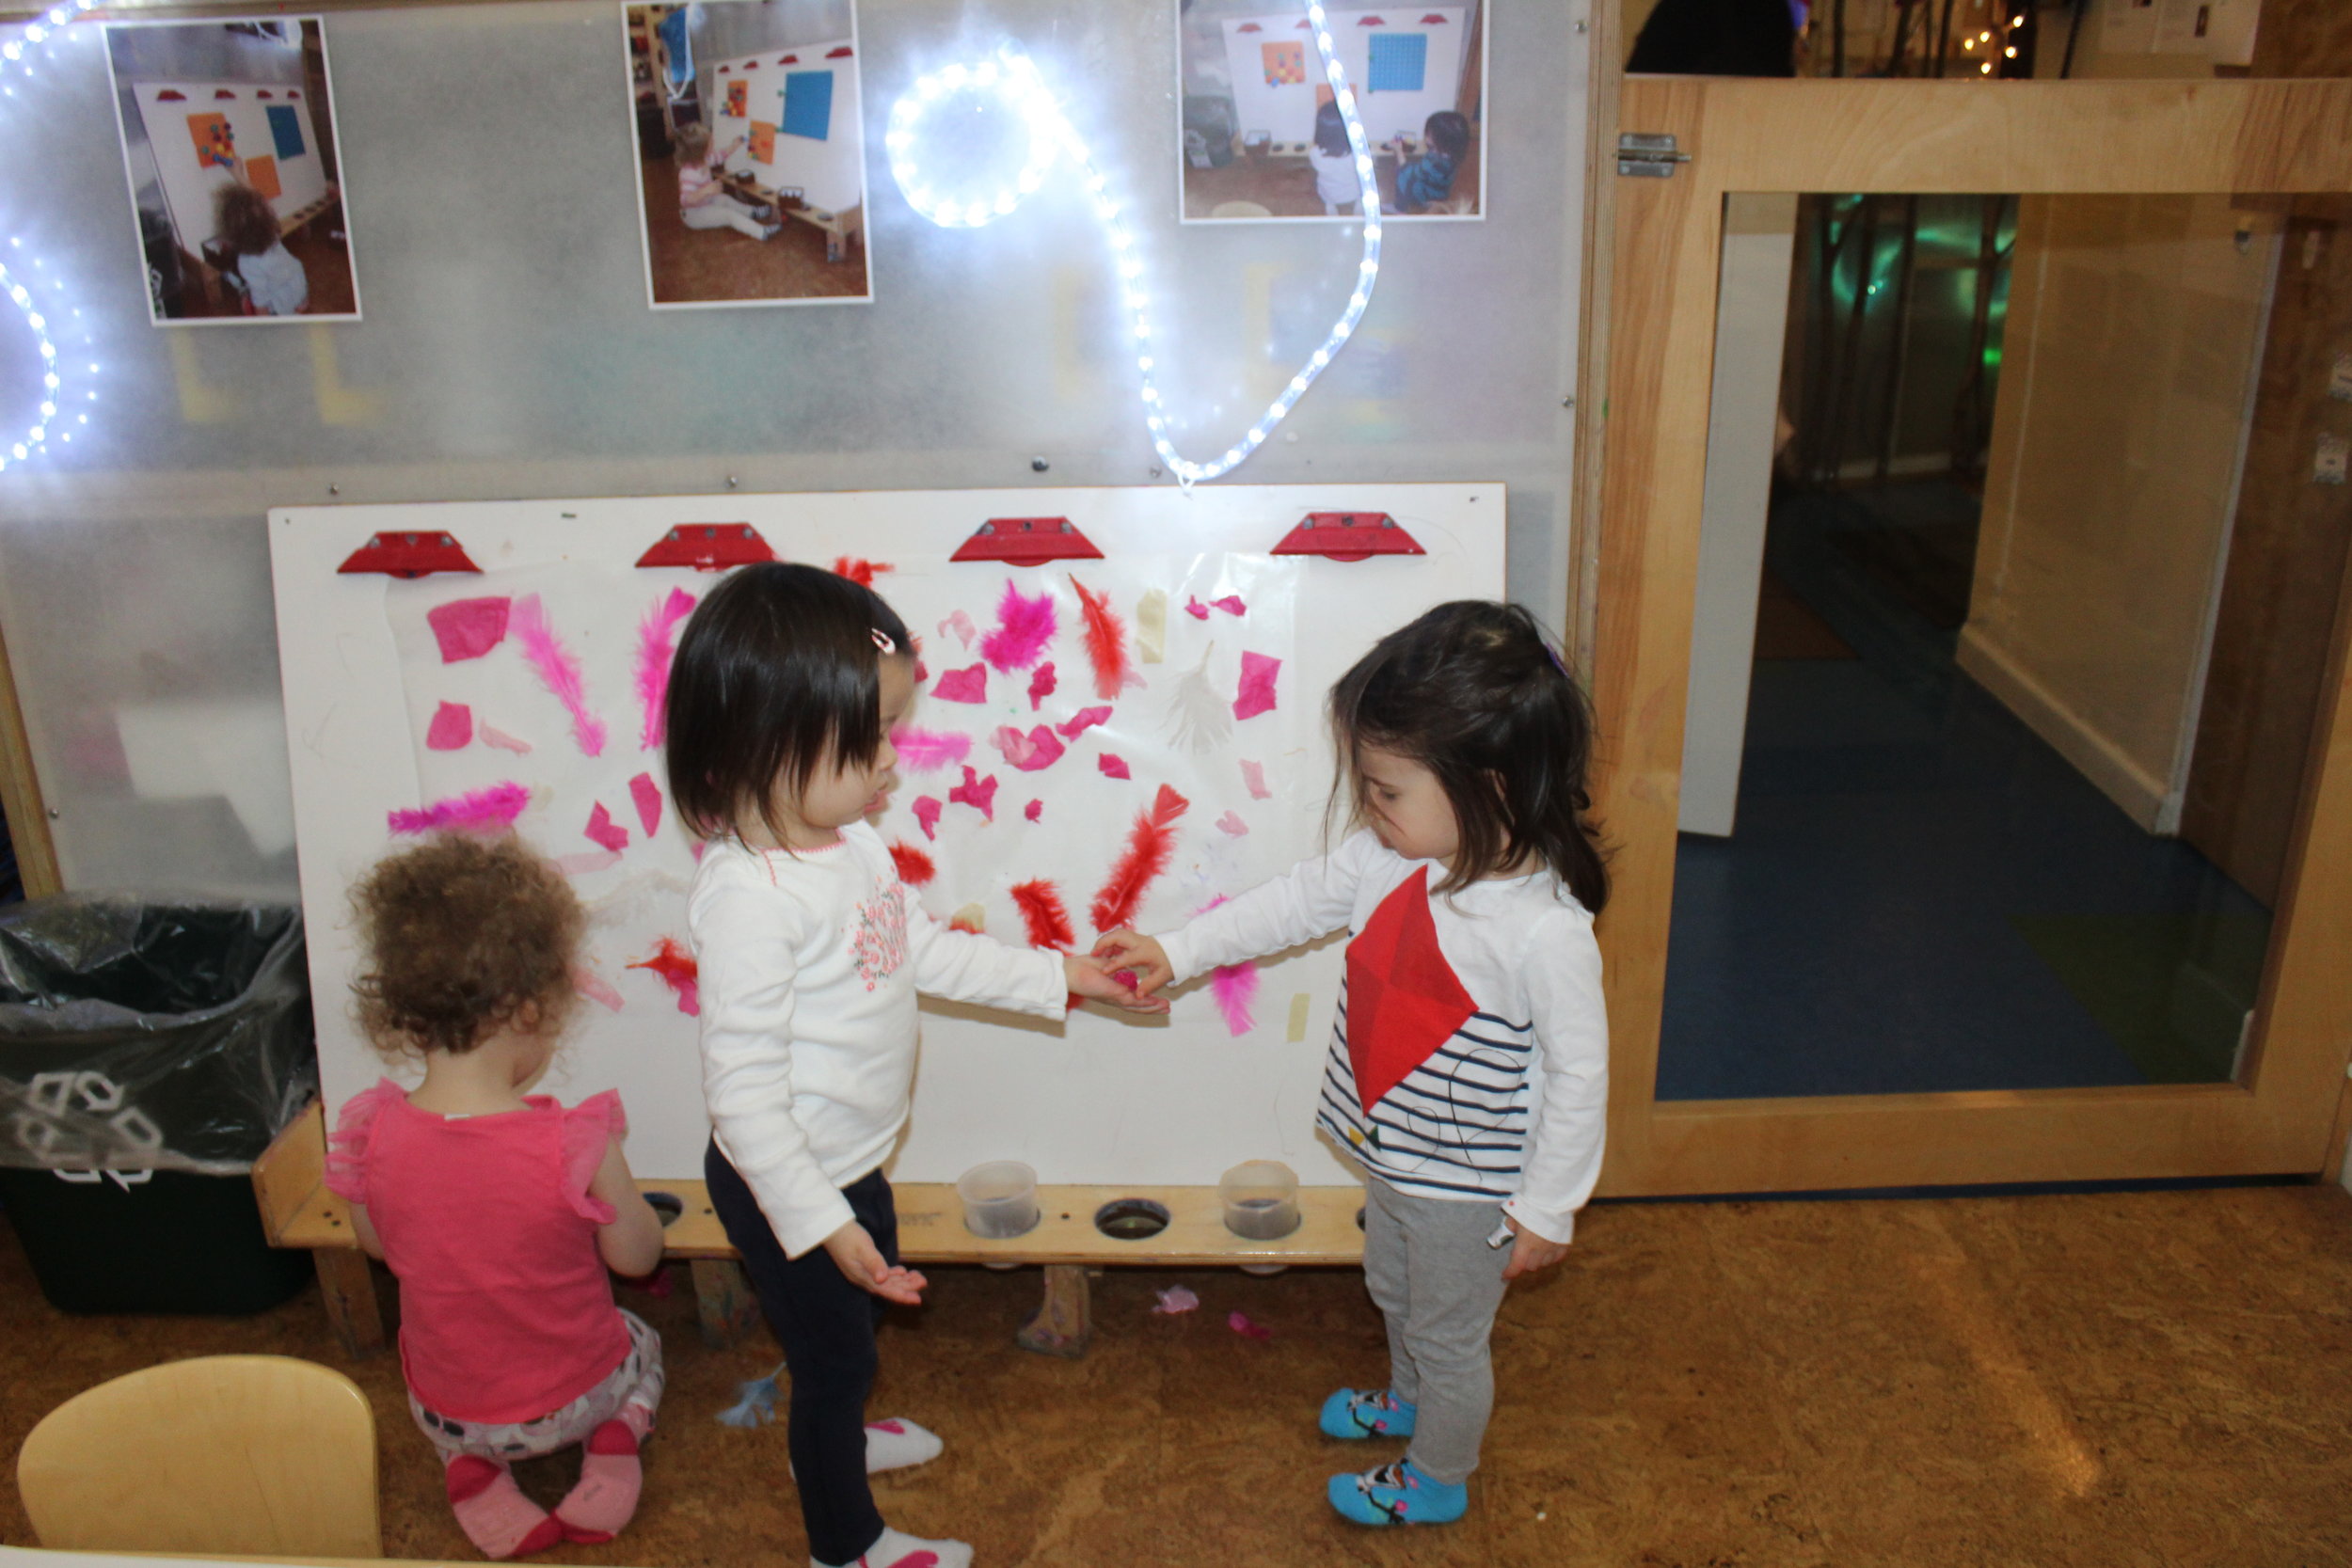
(610, 1480)
(493, 1512)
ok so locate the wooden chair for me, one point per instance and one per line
(224, 1455)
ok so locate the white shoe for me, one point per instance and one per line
(899, 1550)
(894, 1444)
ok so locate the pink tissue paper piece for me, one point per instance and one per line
(1040, 686)
(588, 862)
(927, 815)
(1253, 774)
(558, 668)
(604, 831)
(596, 987)
(656, 641)
(961, 625)
(451, 729)
(647, 794)
(468, 629)
(1083, 720)
(1257, 686)
(963, 686)
(928, 750)
(482, 811)
(500, 739)
(1024, 627)
(1036, 810)
(1175, 1299)
(1235, 988)
(1230, 604)
(1040, 748)
(1195, 609)
(1241, 1323)
(977, 792)
(1113, 765)
(1231, 823)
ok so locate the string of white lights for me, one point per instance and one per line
(1013, 82)
(52, 363)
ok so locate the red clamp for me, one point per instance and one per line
(408, 555)
(708, 547)
(1026, 542)
(1348, 536)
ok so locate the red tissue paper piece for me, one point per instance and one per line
(1248, 1328)
(1257, 686)
(963, 686)
(1253, 774)
(468, 629)
(1042, 912)
(647, 797)
(500, 739)
(1040, 748)
(1040, 686)
(859, 570)
(451, 729)
(1113, 765)
(604, 831)
(482, 811)
(1083, 720)
(1150, 843)
(915, 868)
(1231, 823)
(596, 987)
(1107, 643)
(927, 815)
(679, 971)
(977, 792)
(657, 643)
(1036, 811)
(558, 668)
(1403, 999)
(1025, 625)
(928, 750)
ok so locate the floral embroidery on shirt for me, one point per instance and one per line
(879, 939)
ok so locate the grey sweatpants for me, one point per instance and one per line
(1433, 1276)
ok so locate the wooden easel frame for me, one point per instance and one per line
(19, 792)
(2122, 137)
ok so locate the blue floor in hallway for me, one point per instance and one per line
(1908, 859)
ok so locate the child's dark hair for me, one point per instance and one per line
(243, 219)
(464, 937)
(1448, 132)
(779, 673)
(1331, 130)
(1473, 692)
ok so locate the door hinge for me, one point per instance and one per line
(1648, 157)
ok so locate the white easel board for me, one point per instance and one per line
(1105, 1097)
(800, 106)
(266, 128)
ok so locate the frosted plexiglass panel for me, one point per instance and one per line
(488, 157)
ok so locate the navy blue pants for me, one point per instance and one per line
(826, 1327)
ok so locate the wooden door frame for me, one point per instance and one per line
(19, 792)
(2119, 137)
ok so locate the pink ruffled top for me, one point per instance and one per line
(506, 1310)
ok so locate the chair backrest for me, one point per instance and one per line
(243, 1455)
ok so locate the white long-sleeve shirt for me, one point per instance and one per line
(809, 966)
(1484, 1006)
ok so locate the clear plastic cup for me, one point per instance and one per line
(999, 1199)
(1260, 1198)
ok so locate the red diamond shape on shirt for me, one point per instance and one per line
(1403, 999)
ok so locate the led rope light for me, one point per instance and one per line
(52, 382)
(1014, 83)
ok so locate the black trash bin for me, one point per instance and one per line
(149, 1053)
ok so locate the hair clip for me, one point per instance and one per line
(882, 641)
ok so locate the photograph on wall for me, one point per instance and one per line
(228, 142)
(751, 154)
(1260, 133)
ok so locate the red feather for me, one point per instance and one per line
(915, 868)
(859, 570)
(1042, 912)
(1106, 642)
(1150, 845)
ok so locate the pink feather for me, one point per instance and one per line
(1235, 988)
(558, 668)
(928, 750)
(1024, 627)
(482, 811)
(656, 641)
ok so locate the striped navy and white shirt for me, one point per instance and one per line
(1490, 1053)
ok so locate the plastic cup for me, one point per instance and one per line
(1260, 1198)
(999, 1199)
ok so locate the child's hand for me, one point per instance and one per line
(854, 1252)
(1092, 978)
(1139, 954)
(1528, 1251)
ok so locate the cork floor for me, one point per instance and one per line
(699, 266)
(2121, 1379)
